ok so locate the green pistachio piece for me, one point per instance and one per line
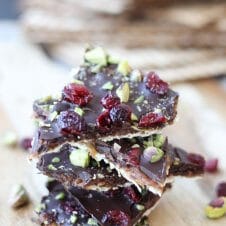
(124, 68)
(46, 99)
(123, 92)
(157, 156)
(113, 59)
(60, 196)
(79, 82)
(215, 212)
(96, 68)
(176, 161)
(40, 207)
(9, 139)
(139, 207)
(73, 219)
(53, 115)
(139, 100)
(51, 167)
(134, 117)
(96, 56)
(148, 143)
(55, 160)
(159, 140)
(143, 222)
(92, 221)
(80, 158)
(18, 196)
(136, 76)
(79, 111)
(108, 86)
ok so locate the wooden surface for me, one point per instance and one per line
(200, 127)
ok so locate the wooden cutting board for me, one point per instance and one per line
(200, 127)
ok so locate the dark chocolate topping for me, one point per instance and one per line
(62, 211)
(106, 207)
(96, 174)
(163, 105)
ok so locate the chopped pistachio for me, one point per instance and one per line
(79, 111)
(53, 115)
(73, 219)
(92, 221)
(113, 59)
(148, 143)
(9, 139)
(96, 68)
(139, 207)
(123, 92)
(176, 161)
(108, 86)
(60, 196)
(80, 158)
(76, 81)
(40, 207)
(96, 56)
(55, 160)
(159, 140)
(215, 212)
(139, 100)
(46, 99)
(136, 76)
(124, 68)
(18, 196)
(157, 156)
(134, 117)
(51, 167)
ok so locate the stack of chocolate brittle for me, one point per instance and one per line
(101, 142)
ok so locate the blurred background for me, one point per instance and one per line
(183, 40)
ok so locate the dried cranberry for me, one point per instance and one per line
(196, 159)
(116, 218)
(132, 194)
(221, 189)
(67, 207)
(25, 143)
(120, 113)
(104, 121)
(155, 84)
(211, 165)
(151, 119)
(217, 203)
(109, 101)
(77, 94)
(71, 122)
(134, 156)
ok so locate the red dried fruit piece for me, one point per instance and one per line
(196, 159)
(68, 207)
(109, 101)
(69, 122)
(221, 189)
(104, 121)
(134, 156)
(132, 194)
(155, 84)
(25, 143)
(77, 94)
(151, 119)
(211, 165)
(217, 203)
(116, 218)
(120, 113)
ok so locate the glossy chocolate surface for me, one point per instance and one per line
(49, 134)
